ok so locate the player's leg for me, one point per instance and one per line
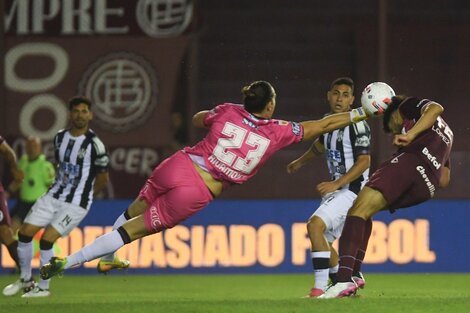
(46, 243)
(368, 202)
(324, 228)
(334, 266)
(111, 261)
(358, 277)
(108, 243)
(320, 254)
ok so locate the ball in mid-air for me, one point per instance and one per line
(376, 97)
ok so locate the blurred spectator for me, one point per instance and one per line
(38, 176)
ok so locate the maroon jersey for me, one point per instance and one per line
(411, 176)
(434, 144)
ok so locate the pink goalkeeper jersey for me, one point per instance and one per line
(238, 143)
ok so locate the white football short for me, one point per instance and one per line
(63, 216)
(333, 210)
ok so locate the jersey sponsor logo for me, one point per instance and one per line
(155, 218)
(426, 179)
(333, 155)
(295, 128)
(431, 158)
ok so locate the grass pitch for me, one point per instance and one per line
(403, 293)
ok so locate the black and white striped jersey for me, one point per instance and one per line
(342, 147)
(79, 160)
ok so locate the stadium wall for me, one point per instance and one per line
(246, 236)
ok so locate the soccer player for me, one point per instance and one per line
(348, 159)
(82, 171)
(38, 176)
(6, 233)
(240, 139)
(409, 177)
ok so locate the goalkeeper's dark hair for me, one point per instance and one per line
(392, 107)
(343, 81)
(257, 95)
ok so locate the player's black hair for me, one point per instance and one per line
(343, 81)
(392, 107)
(73, 102)
(257, 95)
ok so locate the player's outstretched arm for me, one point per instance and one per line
(315, 128)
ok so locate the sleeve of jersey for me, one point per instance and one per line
(289, 133)
(102, 158)
(213, 114)
(411, 107)
(360, 138)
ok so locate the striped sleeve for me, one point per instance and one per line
(360, 139)
(101, 161)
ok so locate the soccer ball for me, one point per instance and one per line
(376, 97)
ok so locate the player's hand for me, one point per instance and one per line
(327, 187)
(403, 140)
(293, 166)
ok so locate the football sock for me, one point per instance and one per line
(320, 261)
(46, 255)
(333, 274)
(349, 242)
(108, 243)
(13, 251)
(361, 252)
(124, 217)
(25, 255)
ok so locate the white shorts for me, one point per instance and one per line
(333, 210)
(63, 216)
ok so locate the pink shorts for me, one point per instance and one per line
(4, 212)
(174, 192)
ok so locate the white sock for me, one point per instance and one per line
(46, 255)
(108, 243)
(334, 269)
(25, 254)
(320, 260)
(118, 223)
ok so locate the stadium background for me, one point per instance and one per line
(149, 65)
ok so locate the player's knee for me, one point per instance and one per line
(24, 238)
(315, 225)
(45, 245)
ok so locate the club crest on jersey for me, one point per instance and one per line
(81, 153)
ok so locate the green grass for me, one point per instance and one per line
(402, 293)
